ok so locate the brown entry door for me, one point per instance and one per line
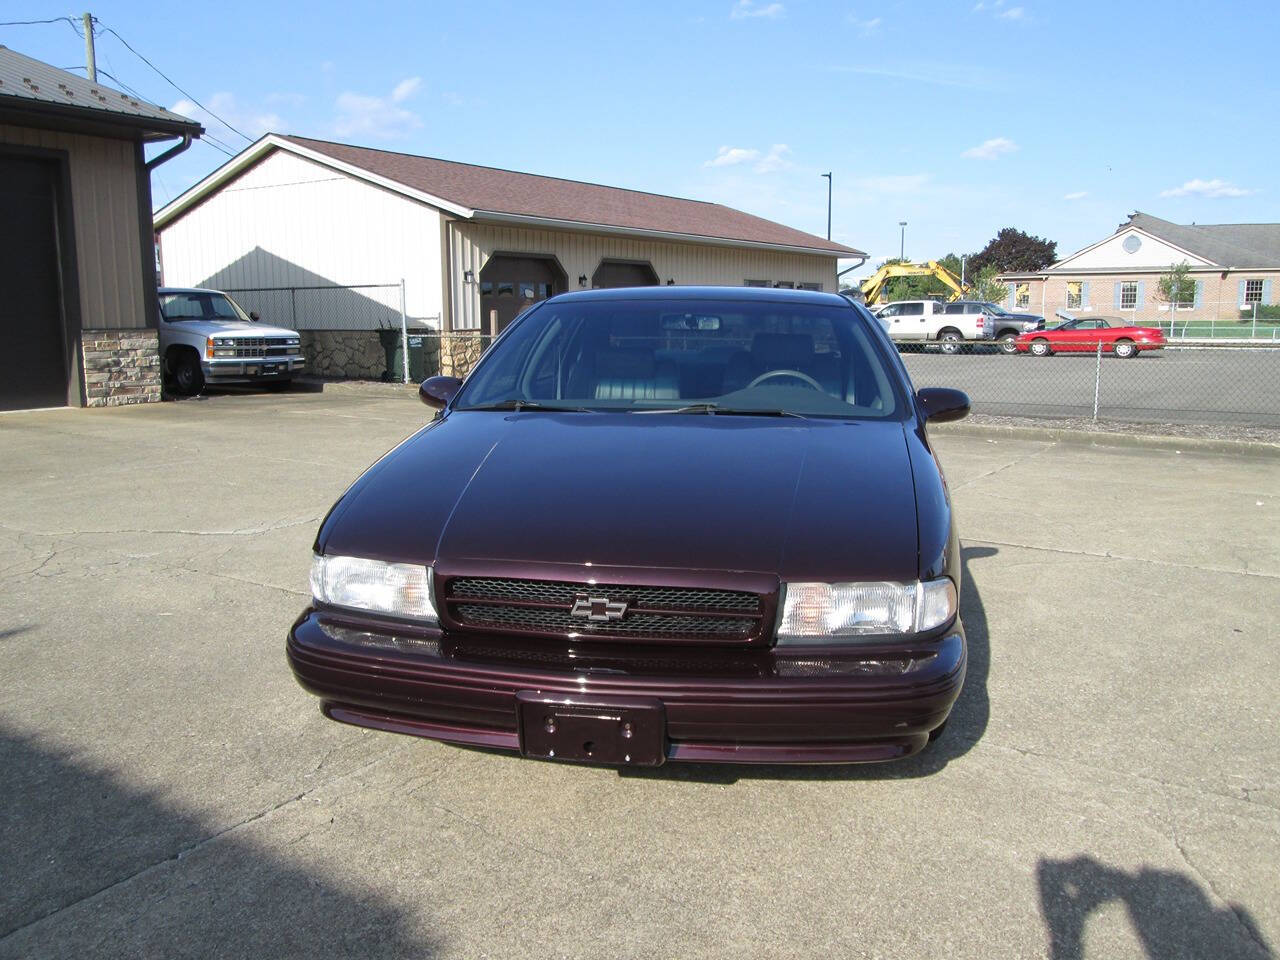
(32, 368)
(624, 273)
(509, 285)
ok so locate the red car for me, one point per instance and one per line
(1083, 334)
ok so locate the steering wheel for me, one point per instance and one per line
(796, 374)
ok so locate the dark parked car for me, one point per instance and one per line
(654, 524)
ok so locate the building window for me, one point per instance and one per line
(810, 286)
(1075, 295)
(1022, 295)
(785, 285)
(756, 283)
(1129, 295)
(1253, 291)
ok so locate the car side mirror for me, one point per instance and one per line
(940, 404)
(253, 315)
(438, 391)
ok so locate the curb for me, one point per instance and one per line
(1245, 448)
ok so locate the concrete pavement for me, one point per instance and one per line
(1108, 787)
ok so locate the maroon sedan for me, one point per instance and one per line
(654, 524)
(1084, 334)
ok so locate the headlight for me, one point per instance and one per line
(821, 612)
(400, 589)
(224, 341)
(224, 352)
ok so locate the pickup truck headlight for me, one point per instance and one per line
(399, 589)
(835, 612)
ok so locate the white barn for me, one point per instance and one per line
(288, 220)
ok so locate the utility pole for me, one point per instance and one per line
(828, 176)
(902, 249)
(91, 65)
(963, 258)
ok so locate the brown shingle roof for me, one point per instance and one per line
(495, 191)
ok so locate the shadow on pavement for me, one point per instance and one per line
(70, 833)
(1170, 914)
(965, 726)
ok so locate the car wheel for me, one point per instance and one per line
(1124, 349)
(1040, 348)
(188, 378)
(1009, 343)
(952, 342)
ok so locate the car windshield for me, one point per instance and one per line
(689, 356)
(200, 305)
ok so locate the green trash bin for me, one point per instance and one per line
(393, 343)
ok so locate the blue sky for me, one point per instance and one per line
(1058, 118)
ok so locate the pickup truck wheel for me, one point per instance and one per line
(1125, 349)
(951, 341)
(1008, 343)
(188, 378)
(1040, 348)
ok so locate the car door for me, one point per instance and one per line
(913, 321)
(891, 318)
(1089, 332)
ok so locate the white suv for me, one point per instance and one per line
(921, 321)
(205, 337)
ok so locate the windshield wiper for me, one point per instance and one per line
(714, 408)
(518, 405)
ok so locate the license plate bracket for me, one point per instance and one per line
(611, 730)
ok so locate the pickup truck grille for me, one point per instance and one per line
(264, 347)
(562, 609)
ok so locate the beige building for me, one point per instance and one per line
(474, 245)
(77, 271)
(1235, 266)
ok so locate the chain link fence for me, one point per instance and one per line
(363, 332)
(1218, 383)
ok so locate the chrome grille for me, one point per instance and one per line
(542, 607)
(264, 347)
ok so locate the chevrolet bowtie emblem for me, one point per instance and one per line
(598, 609)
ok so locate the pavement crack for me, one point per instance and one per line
(1108, 555)
(1241, 919)
(1004, 466)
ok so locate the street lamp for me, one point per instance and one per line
(902, 248)
(828, 176)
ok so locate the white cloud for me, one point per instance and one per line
(359, 115)
(749, 10)
(1208, 189)
(775, 159)
(405, 89)
(990, 149)
(764, 162)
(1076, 195)
(864, 27)
(252, 122)
(732, 156)
(1013, 13)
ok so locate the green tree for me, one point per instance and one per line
(1176, 286)
(1011, 250)
(985, 286)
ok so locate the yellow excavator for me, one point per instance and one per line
(873, 287)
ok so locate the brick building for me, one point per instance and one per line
(1234, 266)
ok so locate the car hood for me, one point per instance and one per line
(816, 499)
(229, 328)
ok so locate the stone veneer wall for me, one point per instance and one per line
(460, 351)
(120, 366)
(344, 353)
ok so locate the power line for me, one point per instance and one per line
(32, 23)
(175, 86)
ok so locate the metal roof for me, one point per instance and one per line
(31, 85)
(506, 196)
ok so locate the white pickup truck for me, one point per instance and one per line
(922, 321)
(206, 338)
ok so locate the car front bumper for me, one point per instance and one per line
(806, 708)
(252, 369)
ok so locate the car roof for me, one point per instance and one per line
(745, 294)
(188, 290)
